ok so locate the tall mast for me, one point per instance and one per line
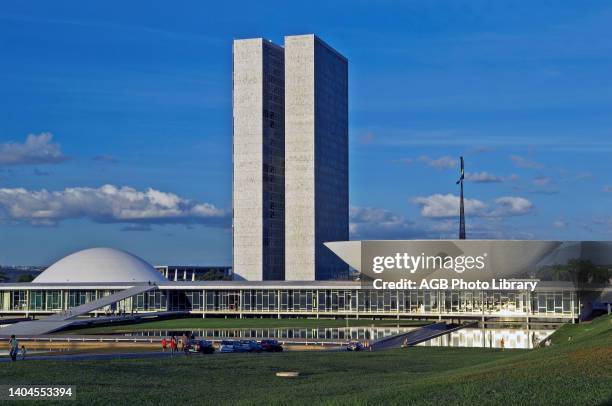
(461, 209)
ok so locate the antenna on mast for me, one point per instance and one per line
(461, 209)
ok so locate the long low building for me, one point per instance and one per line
(292, 299)
(92, 274)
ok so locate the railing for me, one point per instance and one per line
(156, 340)
(326, 313)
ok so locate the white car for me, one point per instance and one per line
(228, 346)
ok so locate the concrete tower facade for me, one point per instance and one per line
(258, 158)
(316, 158)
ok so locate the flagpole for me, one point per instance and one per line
(461, 208)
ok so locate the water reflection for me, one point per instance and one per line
(490, 338)
(37, 351)
(331, 333)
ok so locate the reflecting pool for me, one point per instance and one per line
(490, 338)
(322, 333)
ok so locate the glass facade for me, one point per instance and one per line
(331, 159)
(417, 303)
(273, 160)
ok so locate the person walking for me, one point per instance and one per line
(185, 342)
(502, 343)
(23, 352)
(172, 345)
(13, 347)
(164, 344)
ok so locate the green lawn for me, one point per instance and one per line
(214, 323)
(576, 372)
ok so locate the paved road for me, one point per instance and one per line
(95, 357)
(131, 355)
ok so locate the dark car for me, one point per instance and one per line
(203, 347)
(229, 346)
(250, 346)
(354, 346)
(271, 346)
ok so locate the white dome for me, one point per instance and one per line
(103, 265)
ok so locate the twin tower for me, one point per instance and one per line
(290, 180)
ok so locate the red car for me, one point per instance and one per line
(271, 346)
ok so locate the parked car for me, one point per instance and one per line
(228, 346)
(250, 346)
(354, 346)
(203, 347)
(271, 346)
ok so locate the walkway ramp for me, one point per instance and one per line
(96, 304)
(68, 317)
(420, 335)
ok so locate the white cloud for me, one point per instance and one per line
(513, 206)
(447, 206)
(37, 149)
(559, 224)
(522, 162)
(439, 206)
(483, 177)
(444, 162)
(106, 204)
(377, 223)
(368, 222)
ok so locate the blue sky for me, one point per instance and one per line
(115, 124)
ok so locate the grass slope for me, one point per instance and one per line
(573, 373)
(214, 323)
